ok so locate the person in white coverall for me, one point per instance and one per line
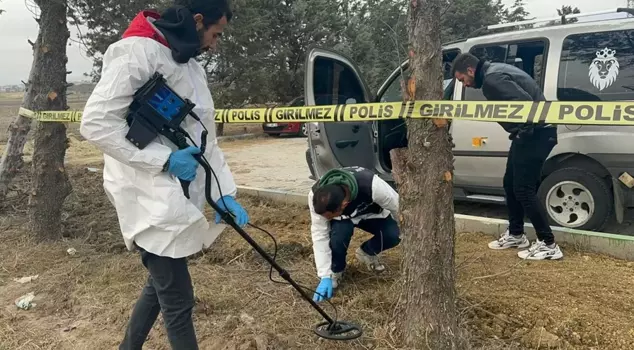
(143, 184)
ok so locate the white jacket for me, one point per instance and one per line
(382, 194)
(151, 207)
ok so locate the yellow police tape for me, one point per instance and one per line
(52, 116)
(556, 112)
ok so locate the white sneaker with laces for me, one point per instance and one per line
(371, 261)
(336, 277)
(540, 251)
(507, 240)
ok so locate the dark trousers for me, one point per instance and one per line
(386, 235)
(168, 290)
(522, 178)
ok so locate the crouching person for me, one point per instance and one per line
(340, 201)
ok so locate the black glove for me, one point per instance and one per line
(522, 133)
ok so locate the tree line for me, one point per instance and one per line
(261, 56)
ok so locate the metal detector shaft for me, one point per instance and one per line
(229, 220)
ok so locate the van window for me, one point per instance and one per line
(394, 93)
(529, 56)
(597, 67)
(337, 83)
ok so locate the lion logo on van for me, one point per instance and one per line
(604, 69)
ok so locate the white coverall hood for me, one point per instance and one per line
(150, 205)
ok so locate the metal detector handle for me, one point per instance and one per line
(180, 140)
(185, 187)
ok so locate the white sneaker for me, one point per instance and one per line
(507, 240)
(540, 251)
(336, 277)
(371, 261)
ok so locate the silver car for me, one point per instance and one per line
(583, 181)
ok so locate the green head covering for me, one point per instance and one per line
(341, 177)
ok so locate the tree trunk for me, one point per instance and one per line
(220, 129)
(50, 181)
(426, 314)
(12, 161)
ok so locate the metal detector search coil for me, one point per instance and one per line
(157, 109)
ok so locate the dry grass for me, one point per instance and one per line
(83, 301)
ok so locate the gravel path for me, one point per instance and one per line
(274, 163)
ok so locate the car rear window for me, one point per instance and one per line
(597, 67)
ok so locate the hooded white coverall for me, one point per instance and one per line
(152, 209)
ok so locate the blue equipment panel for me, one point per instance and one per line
(166, 103)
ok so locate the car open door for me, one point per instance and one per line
(331, 79)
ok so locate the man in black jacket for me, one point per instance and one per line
(531, 144)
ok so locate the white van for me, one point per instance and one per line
(583, 61)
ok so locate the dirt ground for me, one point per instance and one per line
(83, 300)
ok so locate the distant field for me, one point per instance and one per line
(10, 104)
(10, 95)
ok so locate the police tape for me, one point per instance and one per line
(548, 112)
(52, 116)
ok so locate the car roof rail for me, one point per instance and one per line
(562, 18)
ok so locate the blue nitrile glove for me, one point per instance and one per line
(240, 215)
(324, 290)
(182, 163)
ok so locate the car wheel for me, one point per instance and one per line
(303, 130)
(576, 198)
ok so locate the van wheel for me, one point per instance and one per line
(576, 198)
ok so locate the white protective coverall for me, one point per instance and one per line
(151, 207)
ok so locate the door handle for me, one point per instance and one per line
(346, 143)
(356, 128)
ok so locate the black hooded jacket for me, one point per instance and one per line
(179, 28)
(505, 82)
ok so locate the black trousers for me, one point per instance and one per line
(521, 180)
(168, 290)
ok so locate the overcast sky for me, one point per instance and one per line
(17, 26)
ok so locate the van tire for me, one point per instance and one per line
(596, 186)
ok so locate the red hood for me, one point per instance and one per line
(141, 27)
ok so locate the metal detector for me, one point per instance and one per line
(157, 109)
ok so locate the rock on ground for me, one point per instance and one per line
(540, 338)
